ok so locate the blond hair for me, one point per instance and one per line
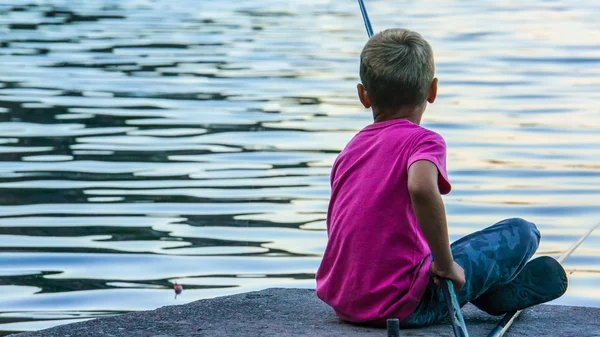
(397, 68)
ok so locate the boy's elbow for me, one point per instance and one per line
(421, 192)
(422, 180)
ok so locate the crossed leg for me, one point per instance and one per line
(491, 258)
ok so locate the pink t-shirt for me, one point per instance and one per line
(376, 262)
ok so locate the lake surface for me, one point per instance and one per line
(144, 143)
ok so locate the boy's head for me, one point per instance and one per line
(397, 70)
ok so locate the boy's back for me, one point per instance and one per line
(376, 263)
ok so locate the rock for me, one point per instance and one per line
(298, 312)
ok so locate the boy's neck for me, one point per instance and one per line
(410, 113)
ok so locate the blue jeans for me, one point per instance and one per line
(491, 258)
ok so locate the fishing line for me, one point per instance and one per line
(508, 319)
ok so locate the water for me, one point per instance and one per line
(151, 142)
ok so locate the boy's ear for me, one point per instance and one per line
(363, 96)
(432, 90)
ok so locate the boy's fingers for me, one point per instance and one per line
(457, 287)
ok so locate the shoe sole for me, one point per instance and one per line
(542, 280)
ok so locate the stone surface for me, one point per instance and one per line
(298, 312)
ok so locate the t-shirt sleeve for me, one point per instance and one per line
(432, 147)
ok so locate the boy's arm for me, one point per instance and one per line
(431, 216)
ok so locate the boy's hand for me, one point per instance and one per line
(456, 274)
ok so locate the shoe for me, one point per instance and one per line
(542, 280)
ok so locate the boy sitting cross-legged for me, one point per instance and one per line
(387, 234)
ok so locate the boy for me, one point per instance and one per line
(388, 238)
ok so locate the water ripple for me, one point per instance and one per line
(150, 142)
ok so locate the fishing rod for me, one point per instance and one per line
(363, 10)
(456, 317)
(458, 323)
(508, 319)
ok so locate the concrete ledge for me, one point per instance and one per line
(298, 312)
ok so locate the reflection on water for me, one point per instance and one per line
(145, 143)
